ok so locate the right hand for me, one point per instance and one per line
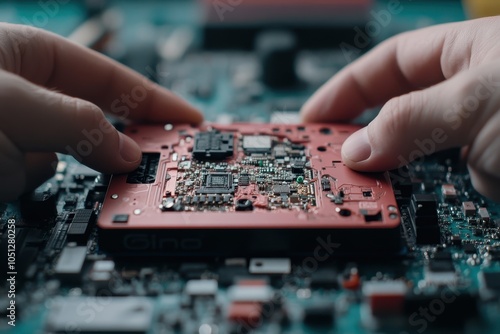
(441, 89)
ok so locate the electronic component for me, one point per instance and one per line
(325, 278)
(244, 180)
(212, 145)
(80, 226)
(322, 313)
(116, 315)
(273, 235)
(281, 189)
(449, 191)
(70, 262)
(489, 284)
(201, 287)
(229, 198)
(257, 144)
(325, 184)
(468, 209)
(440, 270)
(216, 183)
(40, 205)
(146, 172)
(425, 218)
(247, 314)
(250, 293)
(270, 266)
(385, 297)
(101, 273)
(455, 307)
(469, 249)
(484, 215)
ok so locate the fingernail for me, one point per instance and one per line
(357, 147)
(129, 150)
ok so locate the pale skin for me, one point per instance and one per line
(51, 92)
(427, 80)
(440, 85)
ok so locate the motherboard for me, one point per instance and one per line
(225, 188)
(250, 223)
(438, 273)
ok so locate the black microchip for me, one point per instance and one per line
(324, 278)
(260, 179)
(492, 280)
(477, 232)
(469, 249)
(494, 252)
(213, 145)
(456, 240)
(440, 266)
(79, 229)
(244, 180)
(325, 185)
(281, 189)
(217, 183)
(192, 270)
(319, 314)
(70, 199)
(84, 216)
(78, 232)
(121, 218)
(298, 166)
(442, 255)
(228, 275)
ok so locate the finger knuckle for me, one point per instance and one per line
(88, 114)
(15, 40)
(9, 87)
(401, 112)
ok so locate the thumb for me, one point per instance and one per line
(450, 114)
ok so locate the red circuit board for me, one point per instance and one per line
(246, 177)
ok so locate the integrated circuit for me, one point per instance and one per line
(281, 189)
(217, 183)
(257, 144)
(225, 188)
(212, 145)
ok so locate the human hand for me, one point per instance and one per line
(52, 97)
(441, 89)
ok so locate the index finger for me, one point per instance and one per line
(402, 64)
(52, 61)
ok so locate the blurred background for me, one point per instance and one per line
(239, 60)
